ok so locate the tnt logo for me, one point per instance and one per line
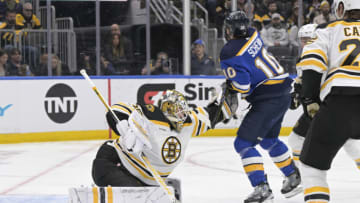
(60, 103)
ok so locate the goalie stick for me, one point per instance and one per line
(146, 161)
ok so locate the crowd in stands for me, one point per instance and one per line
(275, 20)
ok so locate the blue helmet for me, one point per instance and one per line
(237, 24)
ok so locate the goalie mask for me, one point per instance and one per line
(174, 106)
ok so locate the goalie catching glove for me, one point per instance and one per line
(135, 139)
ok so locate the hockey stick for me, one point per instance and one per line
(222, 100)
(148, 165)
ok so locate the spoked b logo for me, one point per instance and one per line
(60, 103)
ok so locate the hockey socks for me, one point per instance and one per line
(280, 155)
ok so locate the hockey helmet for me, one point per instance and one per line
(175, 107)
(307, 30)
(336, 6)
(237, 24)
(351, 5)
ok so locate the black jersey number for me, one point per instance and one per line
(351, 57)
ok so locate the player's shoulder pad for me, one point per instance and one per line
(331, 23)
(154, 114)
(232, 47)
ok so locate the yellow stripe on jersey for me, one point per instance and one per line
(121, 108)
(200, 109)
(161, 123)
(273, 82)
(337, 76)
(95, 195)
(239, 90)
(110, 196)
(128, 106)
(344, 23)
(253, 167)
(316, 189)
(202, 128)
(283, 164)
(317, 52)
(248, 43)
(312, 62)
(196, 123)
(354, 68)
(187, 124)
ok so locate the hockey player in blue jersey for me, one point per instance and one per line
(261, 80)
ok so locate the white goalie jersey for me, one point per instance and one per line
(334, 52)
(168, 145)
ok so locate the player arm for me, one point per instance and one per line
(239, 78)
(313, 63)
(122, 111)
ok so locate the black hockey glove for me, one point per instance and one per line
(311, 106)
(295, 96)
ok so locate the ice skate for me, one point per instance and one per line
(262, 194)
(291, 184)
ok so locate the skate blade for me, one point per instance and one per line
(270, 199)
(294, 192)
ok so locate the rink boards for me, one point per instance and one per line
(36, 109)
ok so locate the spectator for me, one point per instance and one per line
(325, 15)
(293, 28)
(8, 38)
(312, 11)
(119, 54)
(27, 18)
(115, 29)
(6, 5)
(201, 63)
(58, 68)
(16, 67)
(106, 68)
(243, 5)
(161, 65)
(222, 9)
(3, 63)
(267, 18)
(276, 34)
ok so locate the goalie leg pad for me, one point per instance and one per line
(117, 194)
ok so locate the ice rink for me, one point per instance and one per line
(210, 173)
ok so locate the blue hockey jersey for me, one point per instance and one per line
(248, 65)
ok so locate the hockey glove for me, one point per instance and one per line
(311, 106)
(295, 95)
(231, 102)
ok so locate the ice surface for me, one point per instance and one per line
(210, 173)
